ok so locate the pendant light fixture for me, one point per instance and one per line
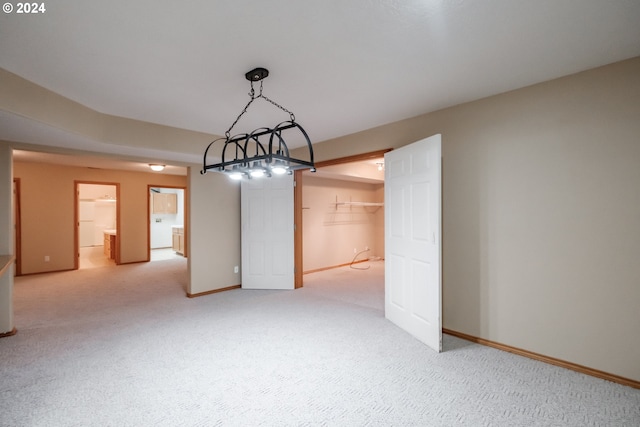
(263, 152)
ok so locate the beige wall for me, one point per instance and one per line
(214, 232)
(330, 232)
(6, 239)
(541, 214)
(114, 134)
(47, 212)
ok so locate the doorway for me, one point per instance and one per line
(412, 236)
(166, 223)
(342, 213)
(97, 219)
(16, 227)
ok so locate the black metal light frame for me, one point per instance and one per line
(247, 156)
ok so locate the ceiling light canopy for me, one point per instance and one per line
(263, 152)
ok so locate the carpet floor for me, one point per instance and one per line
(123, 346)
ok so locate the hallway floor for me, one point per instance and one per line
(93, 256)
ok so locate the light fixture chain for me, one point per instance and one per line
(291, 115)
(252, 94)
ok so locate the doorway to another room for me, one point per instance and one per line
(16, 227)
(343, 213)
(411, 237)
(96, 225)
(343, 228)
(167, 237)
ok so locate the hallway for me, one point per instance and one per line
(93, 257)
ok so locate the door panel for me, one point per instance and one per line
(394, 266)
(267, 233)
(413, 282)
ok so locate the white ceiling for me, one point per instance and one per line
(340, 66)
(370, 171)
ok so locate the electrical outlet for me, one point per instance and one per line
(355, 251)
(46, 258)
(236, 269)
(366, 248)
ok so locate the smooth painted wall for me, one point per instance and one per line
(331, 232)
(47, 212)
(6, 239)
(541, 214)
(214, 232)
(6, 209)
(100, 132)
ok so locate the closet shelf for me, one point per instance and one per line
(363, 204)
(359, 204)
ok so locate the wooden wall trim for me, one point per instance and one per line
(49, 271)
(354, 158)
(297, 231)
(9, 334)
(546, 359)
(334, 266)
(215, 291)
(18, 227)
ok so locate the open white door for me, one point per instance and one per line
(267, 233)
(413, 249)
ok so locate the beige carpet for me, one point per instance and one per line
(123, 346)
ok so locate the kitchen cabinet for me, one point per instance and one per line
(178, 239)
(110, 244)
(164, 203)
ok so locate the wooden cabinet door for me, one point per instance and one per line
(165, 203)
(171, 203)
(176, 242)
(158, 203)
